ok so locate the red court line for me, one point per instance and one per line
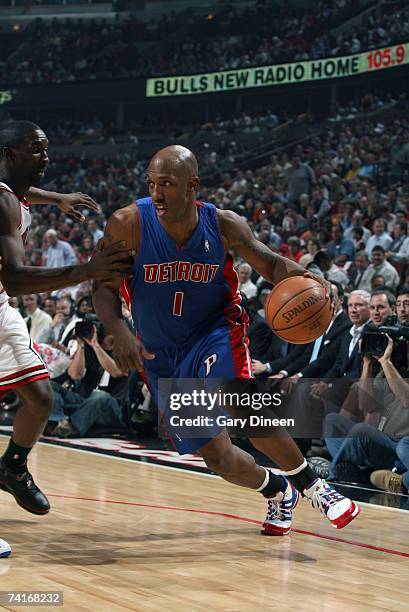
(234, 517)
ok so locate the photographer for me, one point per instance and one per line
(101, 385)
(359, 448)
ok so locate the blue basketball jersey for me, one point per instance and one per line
(179, 294)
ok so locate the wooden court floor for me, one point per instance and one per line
(124, 535)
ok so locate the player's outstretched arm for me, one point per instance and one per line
(67, 202)
(19, 279)
(128, 351)
(238, 236)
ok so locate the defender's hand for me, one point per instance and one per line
(129, 353)
(70, 201)
(113, 262)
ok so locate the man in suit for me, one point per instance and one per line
(295, 357)
(337, 359)
(357, 270)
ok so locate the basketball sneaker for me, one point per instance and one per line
(339, 510)
(5, 549)
(279, 512)
(24, 490)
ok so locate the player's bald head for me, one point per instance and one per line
(174, 160)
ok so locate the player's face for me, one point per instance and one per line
(171, 195)
(32, 158)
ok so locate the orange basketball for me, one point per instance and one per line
(298, 309)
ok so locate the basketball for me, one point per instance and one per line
(298, 310)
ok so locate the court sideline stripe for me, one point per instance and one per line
(210, 512)
(229, 516)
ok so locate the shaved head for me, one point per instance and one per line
(174, 160)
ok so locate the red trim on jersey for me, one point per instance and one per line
(126, 291)
(238, 322)
(199, 203)
(30, 370)
(25, 381)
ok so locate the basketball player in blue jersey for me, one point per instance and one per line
(186, 309)
(23, 162)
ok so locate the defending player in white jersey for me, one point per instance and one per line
(23, 163)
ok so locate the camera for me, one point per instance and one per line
(374, 342)
(84, 328)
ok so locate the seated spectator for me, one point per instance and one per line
(340, 248)
(312, 246)
(380, 441)
(58, 253)
(380, 267)
(357, 223)
(357, 269)
(49, 305)
(399, 249)
(101, 387)
(402, 305)
(377, 283)
(248, 288)
(294, 248)
(379, 238)
(36, 319)
(323, 265)
(61, 329)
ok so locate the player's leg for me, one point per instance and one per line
(28, 426)
(281, 449)
(222, 356)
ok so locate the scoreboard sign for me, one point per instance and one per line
(279, 74)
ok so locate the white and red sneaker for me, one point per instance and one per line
(339, 510)
(279, 512)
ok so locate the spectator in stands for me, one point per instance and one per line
(95, 231)
(377, 283)
(312, 246)
(323, 265)
(58, 253)
(379, 267)
(36, 319)
(402, 305)
(85, 249)
(340, 248)
(379, 238)
(49, 305)
(298, 179)
(382, 305)
(61, 328)
(320, 203)
(248, 288)
(398, 252)
(357, 270)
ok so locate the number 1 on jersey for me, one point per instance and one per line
(178, 303)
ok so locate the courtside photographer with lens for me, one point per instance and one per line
(376, 449)
(99, 387)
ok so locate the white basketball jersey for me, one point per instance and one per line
(24, 226)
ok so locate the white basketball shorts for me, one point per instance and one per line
(20, 363)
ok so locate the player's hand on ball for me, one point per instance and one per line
(326, 284)
(129, 353)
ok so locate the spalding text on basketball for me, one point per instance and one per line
(294, 312)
